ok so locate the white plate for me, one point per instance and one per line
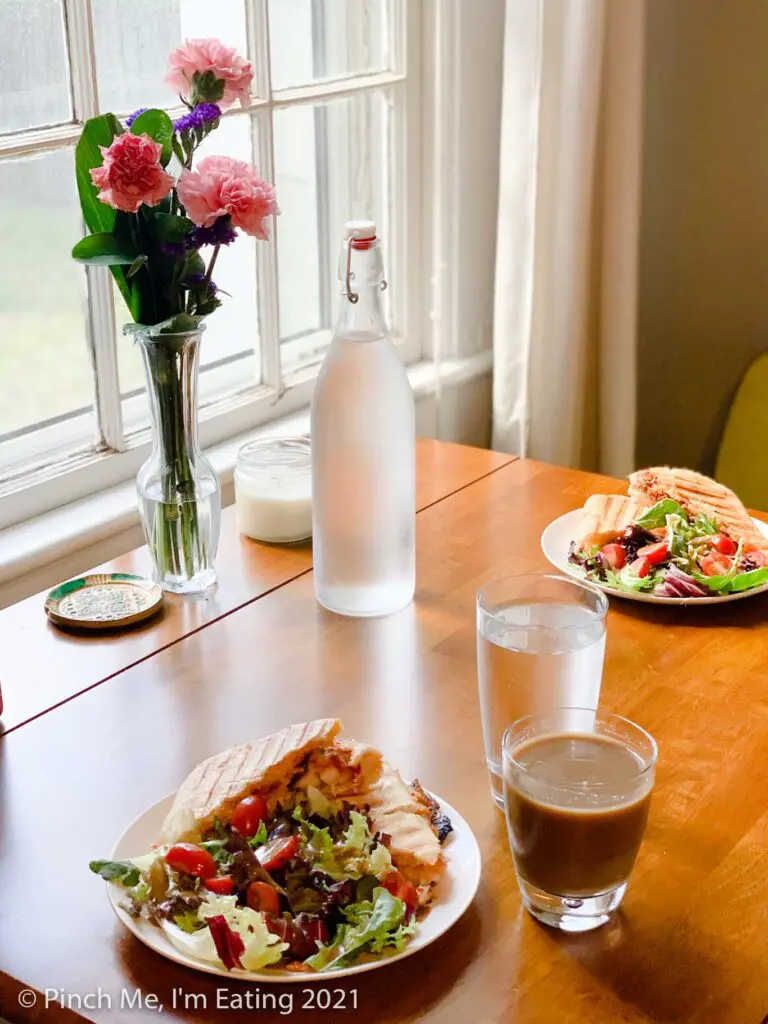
(556, 540)
(453, 894)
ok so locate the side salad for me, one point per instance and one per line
(309, 889)
(671, 553)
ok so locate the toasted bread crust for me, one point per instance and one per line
(605, 518)
(216, 785)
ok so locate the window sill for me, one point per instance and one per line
(55, 535)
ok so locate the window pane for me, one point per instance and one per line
(311, 40)
(33, 58)
(44, 361)
(134, 37)
(230, 348)
(332, 165)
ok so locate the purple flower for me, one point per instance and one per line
(132, 117)
(204, 115)
(195, 280)
(220, 232)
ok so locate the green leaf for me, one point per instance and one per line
(181, 323)
(218, 850)
(747, 580)
(628, 581)
(136, 266)
(104, 249)
(167, 227)
(194, 264)
(372, 926)
(122, 871)
(189, 921)
(178, 152)
(705, 526)
(261, 836)
(656, 516)
(97, 132)
(734, 582)
(158, 126)
(98, 217)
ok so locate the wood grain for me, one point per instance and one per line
(41, 666)
(689, 943)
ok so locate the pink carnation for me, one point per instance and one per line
(202, 55)
(221, 186)
(132, 173)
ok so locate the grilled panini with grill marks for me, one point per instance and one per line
(697, 493)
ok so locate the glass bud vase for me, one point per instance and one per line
(179, 494)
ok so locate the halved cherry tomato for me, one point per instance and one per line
(191, 859)
(249, 814)
(615, 554)
(278, 852)
(720, 542)
(654, 554)
(262, 896)
(641, 567)
(404, 890)
(222, 885)
(716, 565)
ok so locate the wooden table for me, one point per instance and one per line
(688, 946)
(42, 666)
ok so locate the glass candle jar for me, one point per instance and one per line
(273, 490)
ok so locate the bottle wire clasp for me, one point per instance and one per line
(354, 296)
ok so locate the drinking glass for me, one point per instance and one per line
(540, 645)
(577, 787)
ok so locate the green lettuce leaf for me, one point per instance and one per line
(656, 515)
(373, 926)
(124, 872)
(261, 836)
(629, 581)
(189, 921)
(356, 855)
(218, 850)
(735, 582)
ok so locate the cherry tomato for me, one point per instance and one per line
(262, 896)
(278, 852)
(724, 544)
(654, 554)
(191, 859)
(641, 567)
(716, 565)
(222, 885)
(402, 889)
(249, 814)
(615, 555)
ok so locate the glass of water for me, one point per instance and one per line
(540, 646)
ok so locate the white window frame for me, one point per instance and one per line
(75, 474)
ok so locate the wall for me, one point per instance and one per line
(703, 314)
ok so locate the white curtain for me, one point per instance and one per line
(566, 273)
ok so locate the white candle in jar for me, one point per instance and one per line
(273, 490)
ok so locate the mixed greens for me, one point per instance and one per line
(310, 887)
(670, 552)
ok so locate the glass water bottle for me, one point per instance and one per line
(363, 449)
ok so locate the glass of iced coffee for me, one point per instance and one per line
(577, 788)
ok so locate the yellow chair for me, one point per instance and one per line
(742, 460)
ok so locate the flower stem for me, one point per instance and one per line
(211, 265)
